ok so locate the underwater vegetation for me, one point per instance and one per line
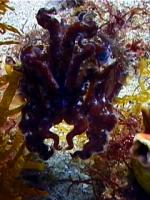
(76, 76)
(14, 156)
(4, 27)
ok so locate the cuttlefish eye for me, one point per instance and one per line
(104, 55)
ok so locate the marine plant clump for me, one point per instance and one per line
(75, 78)
(4, 27)
(13, 153)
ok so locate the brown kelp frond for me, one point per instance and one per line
(6, 27)
(141, 93)
(8, 42)
(4, 6)
(8, 95)
(13, 154)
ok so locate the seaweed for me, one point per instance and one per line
(13, 154)
(4, 27)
